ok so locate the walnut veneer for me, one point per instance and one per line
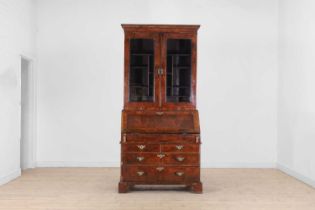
(160, 135)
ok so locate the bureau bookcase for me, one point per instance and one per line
(160, 134)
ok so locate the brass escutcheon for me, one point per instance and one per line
(141, 147)
(161, 155)
(179, 147)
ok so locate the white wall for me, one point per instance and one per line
(296, 149)
(17, 36)
(80, 53)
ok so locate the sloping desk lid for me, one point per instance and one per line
(160, 122)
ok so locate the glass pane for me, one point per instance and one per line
(141, 75)
(178, 70)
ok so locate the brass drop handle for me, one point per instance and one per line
(140, 173)
(141, 147)
(180, 159)
(159, 113)
(179, 147)
(140, 159)
(160, 169)
(161, 155)
(179, 173)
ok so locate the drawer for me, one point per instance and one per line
(180, 148)
(177, 175)
(141, 158)
(140, 147)
(161, 138)
(139, 174)
(160, 174)
(181, 159)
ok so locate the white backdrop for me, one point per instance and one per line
(297, 89)
(80, 65)
(17, 36)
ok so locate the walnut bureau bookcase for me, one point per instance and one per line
(160, 134)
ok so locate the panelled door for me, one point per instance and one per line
(161, 71)
(142, 53)
(179, 62)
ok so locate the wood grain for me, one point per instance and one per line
(158, 125)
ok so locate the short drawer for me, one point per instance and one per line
(144, 174)
(141, 158)
(180, 148)
(181, 159)
(177, 175)
(140, 147)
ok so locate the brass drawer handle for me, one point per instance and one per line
(140, 159)
(178, 173)
(161, 156)
(180, 159)
(179, 147)
(141, 147)
(140, 173)
(160, 169)
(159, 113)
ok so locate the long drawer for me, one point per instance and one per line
(160, 174)
(160, 138)
(147, 147)
(161, 158)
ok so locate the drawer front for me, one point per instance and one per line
(181, 159)
(178, 175)
(180, 148)
(161, 138)
(141, 158)
(144, 174)
(140, 147)
(161, 174)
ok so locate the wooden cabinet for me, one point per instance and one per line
(160, 135)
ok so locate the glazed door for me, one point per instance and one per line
(179, 61)
(142, 59)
